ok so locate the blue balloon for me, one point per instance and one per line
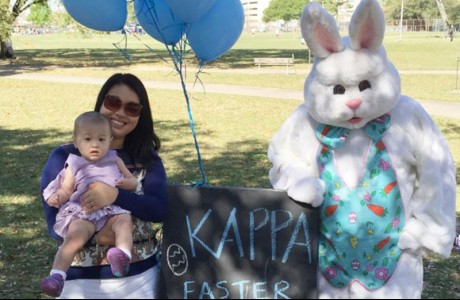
(217, 31)
(102, 15)
(190, 10)
(158, 20)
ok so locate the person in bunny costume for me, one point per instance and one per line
(371, 159)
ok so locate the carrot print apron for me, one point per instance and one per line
(360, 226)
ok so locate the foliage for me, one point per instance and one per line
(283, 10)
(421, 9)
(332, 6)
(413, 9)
(5, 20)
(62, 19)
(454, 14)
(131, 13)
(40, 14)
(287, 10)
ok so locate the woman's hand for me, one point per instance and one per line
(99, 195)
(129, 184)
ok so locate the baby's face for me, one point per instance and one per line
(93, 142)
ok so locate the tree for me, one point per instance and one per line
(62, 19)
(292, 9)
(442, 12)
(454, 14)
(332, 6)
(9, 11)
(413, 9)
(40, 14)
(284, 10)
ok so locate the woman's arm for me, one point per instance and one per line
(53, 166)
(153, 204)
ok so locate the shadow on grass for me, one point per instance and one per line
(241, 163)
(451, 131)
(25, 251)
(39, 59)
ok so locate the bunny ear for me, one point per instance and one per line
(319, 31)
(367, 26)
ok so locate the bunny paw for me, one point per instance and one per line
(307, 190)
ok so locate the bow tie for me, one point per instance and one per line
(334, 137)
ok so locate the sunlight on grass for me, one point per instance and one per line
(415, 51)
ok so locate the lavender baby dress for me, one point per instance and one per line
(85, 172)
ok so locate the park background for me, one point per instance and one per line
(57, 76)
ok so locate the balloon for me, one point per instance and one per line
(103, 15)
(190, 10)
(158, 20)
(216, 32)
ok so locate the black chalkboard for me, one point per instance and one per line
(238, 243)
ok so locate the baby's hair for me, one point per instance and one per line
(93, 118)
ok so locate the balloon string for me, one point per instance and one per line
(177, 55)
(147, 46)
(124, 52)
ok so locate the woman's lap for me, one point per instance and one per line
(141, 286)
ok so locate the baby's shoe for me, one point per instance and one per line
(119, 262)
(52, 285)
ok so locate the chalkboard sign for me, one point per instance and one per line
(238, 243)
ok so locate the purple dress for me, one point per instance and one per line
(85, 172)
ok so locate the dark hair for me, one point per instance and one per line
(142, 139)
(91, 118)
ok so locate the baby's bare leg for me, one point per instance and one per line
(106, 236)
(122, 226)
(80, 231)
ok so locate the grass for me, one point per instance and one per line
(415, 51)
(64, 54)
(233, 132)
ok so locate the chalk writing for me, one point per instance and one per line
(232, 224)
(245, 289)
(228, 243)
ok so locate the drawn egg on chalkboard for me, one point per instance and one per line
(177, 259)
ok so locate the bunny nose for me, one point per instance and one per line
(354, 103)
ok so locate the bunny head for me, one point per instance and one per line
(351, 81)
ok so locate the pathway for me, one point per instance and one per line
(435, 108)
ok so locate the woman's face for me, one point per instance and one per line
(122, 123)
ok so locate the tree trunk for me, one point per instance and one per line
(2, 49)
(442, 12)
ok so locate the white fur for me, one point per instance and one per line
(422, 160)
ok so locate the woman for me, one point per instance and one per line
(124, 100)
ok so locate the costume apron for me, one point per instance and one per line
(360, 226)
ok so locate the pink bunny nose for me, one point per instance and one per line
(354, 103)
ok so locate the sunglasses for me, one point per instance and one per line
(113, 103)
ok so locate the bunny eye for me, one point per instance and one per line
(339, 90)
(363, 85)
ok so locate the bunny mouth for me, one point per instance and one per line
(355, 120)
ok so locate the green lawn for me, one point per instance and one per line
(414, 51)
(233, 131)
